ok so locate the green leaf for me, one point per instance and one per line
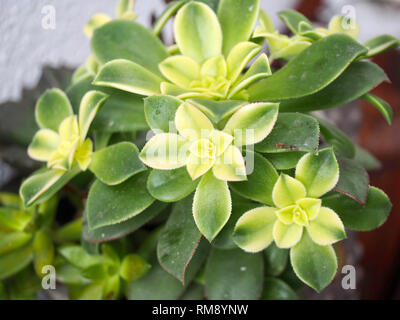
(133, 267)
(359, 78)
(15, 261)
(43, 250)
(52, 108)
(292, 132)
(237, 19)
(353, 180)
(381, 105)
(43, 144)
(197, 32)
(69, 232)
(239, 57)
(287, 191)
(340, 142)
(358, 217)
(44, 183)
(160, 112)
(275, 260)
(211, 205)
(194, 292)
(119, 230)
(122, 111)
(253, 230)
(315, 265)
(294, 19)
(310, 71)
(168, 12)
(119, 39)
(170, 185)
(260, 182)
(124, 7)
(233, 275)
(217, 110)
(116, 163)
(252, 123)
(95, 22)
(180, 70)
(12, 241)
(128, 76)
(366, 159)
(277, 289)
(240, 205)
(287, 235)
(318, 172)
(284, 160)
(179, 240)
(380, 44)
(79, 258)
(91, 102)
(108, 205)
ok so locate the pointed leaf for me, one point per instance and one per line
(160, 112)
(260, 182)
(286, 235)
(381, 44)
(287, 191)
(291, 132)
(179, 240)
(133, 267)
(108, 205)
(239, 57)
(326, 228)
(128, 76)
(197, 31)
(43, 144)
(318, 172)
(217, 110)
(116, 163)
(294, 19)
(180, 70)
(309, 72)
(230, 165)
(252, 123)
(233, 275)
(381, 105)
(52, 108)
(359, 78)
(197, 166)
(165, 151)
(170, 185)
(211, 205)
(358, 217)
(119, 39)
(79, 258)
(253, 230)
(315, 265)
(91, 102)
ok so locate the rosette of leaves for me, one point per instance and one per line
(98, 276)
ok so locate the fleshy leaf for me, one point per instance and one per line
(180, 70)
(286, 235)
(52, 108)
(119, 39)
(12, 241)
(277, 289)
(315, 265)
(310, 71)
(233, 275)
(239, 57)
(284, 160)
(347, 25)
(293, 19)
(91, 102)
(358, 217)
(260, 181)
(165, 151)
(179, 240)
(128, 76)
(275, 260)
(237, 19)
(95, 22)
(191, 122)
(168, 12)
(116, 163)
(381, 44)
(44, 143)
(108, 205)
(43, 184)
(291, 132)
(287, 191)
(252, 123)
(197, 166)
(381, 105)
(230, 165)
(133, 267)
(197, 31)
(253, 230)
(15, 261)
(217, 110)
(211, 205)
(326, 228)
(311, 206)
(359, 78)
(160, 112)
(214, 67)
(318, 172)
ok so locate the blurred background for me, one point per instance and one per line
(36, 54)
